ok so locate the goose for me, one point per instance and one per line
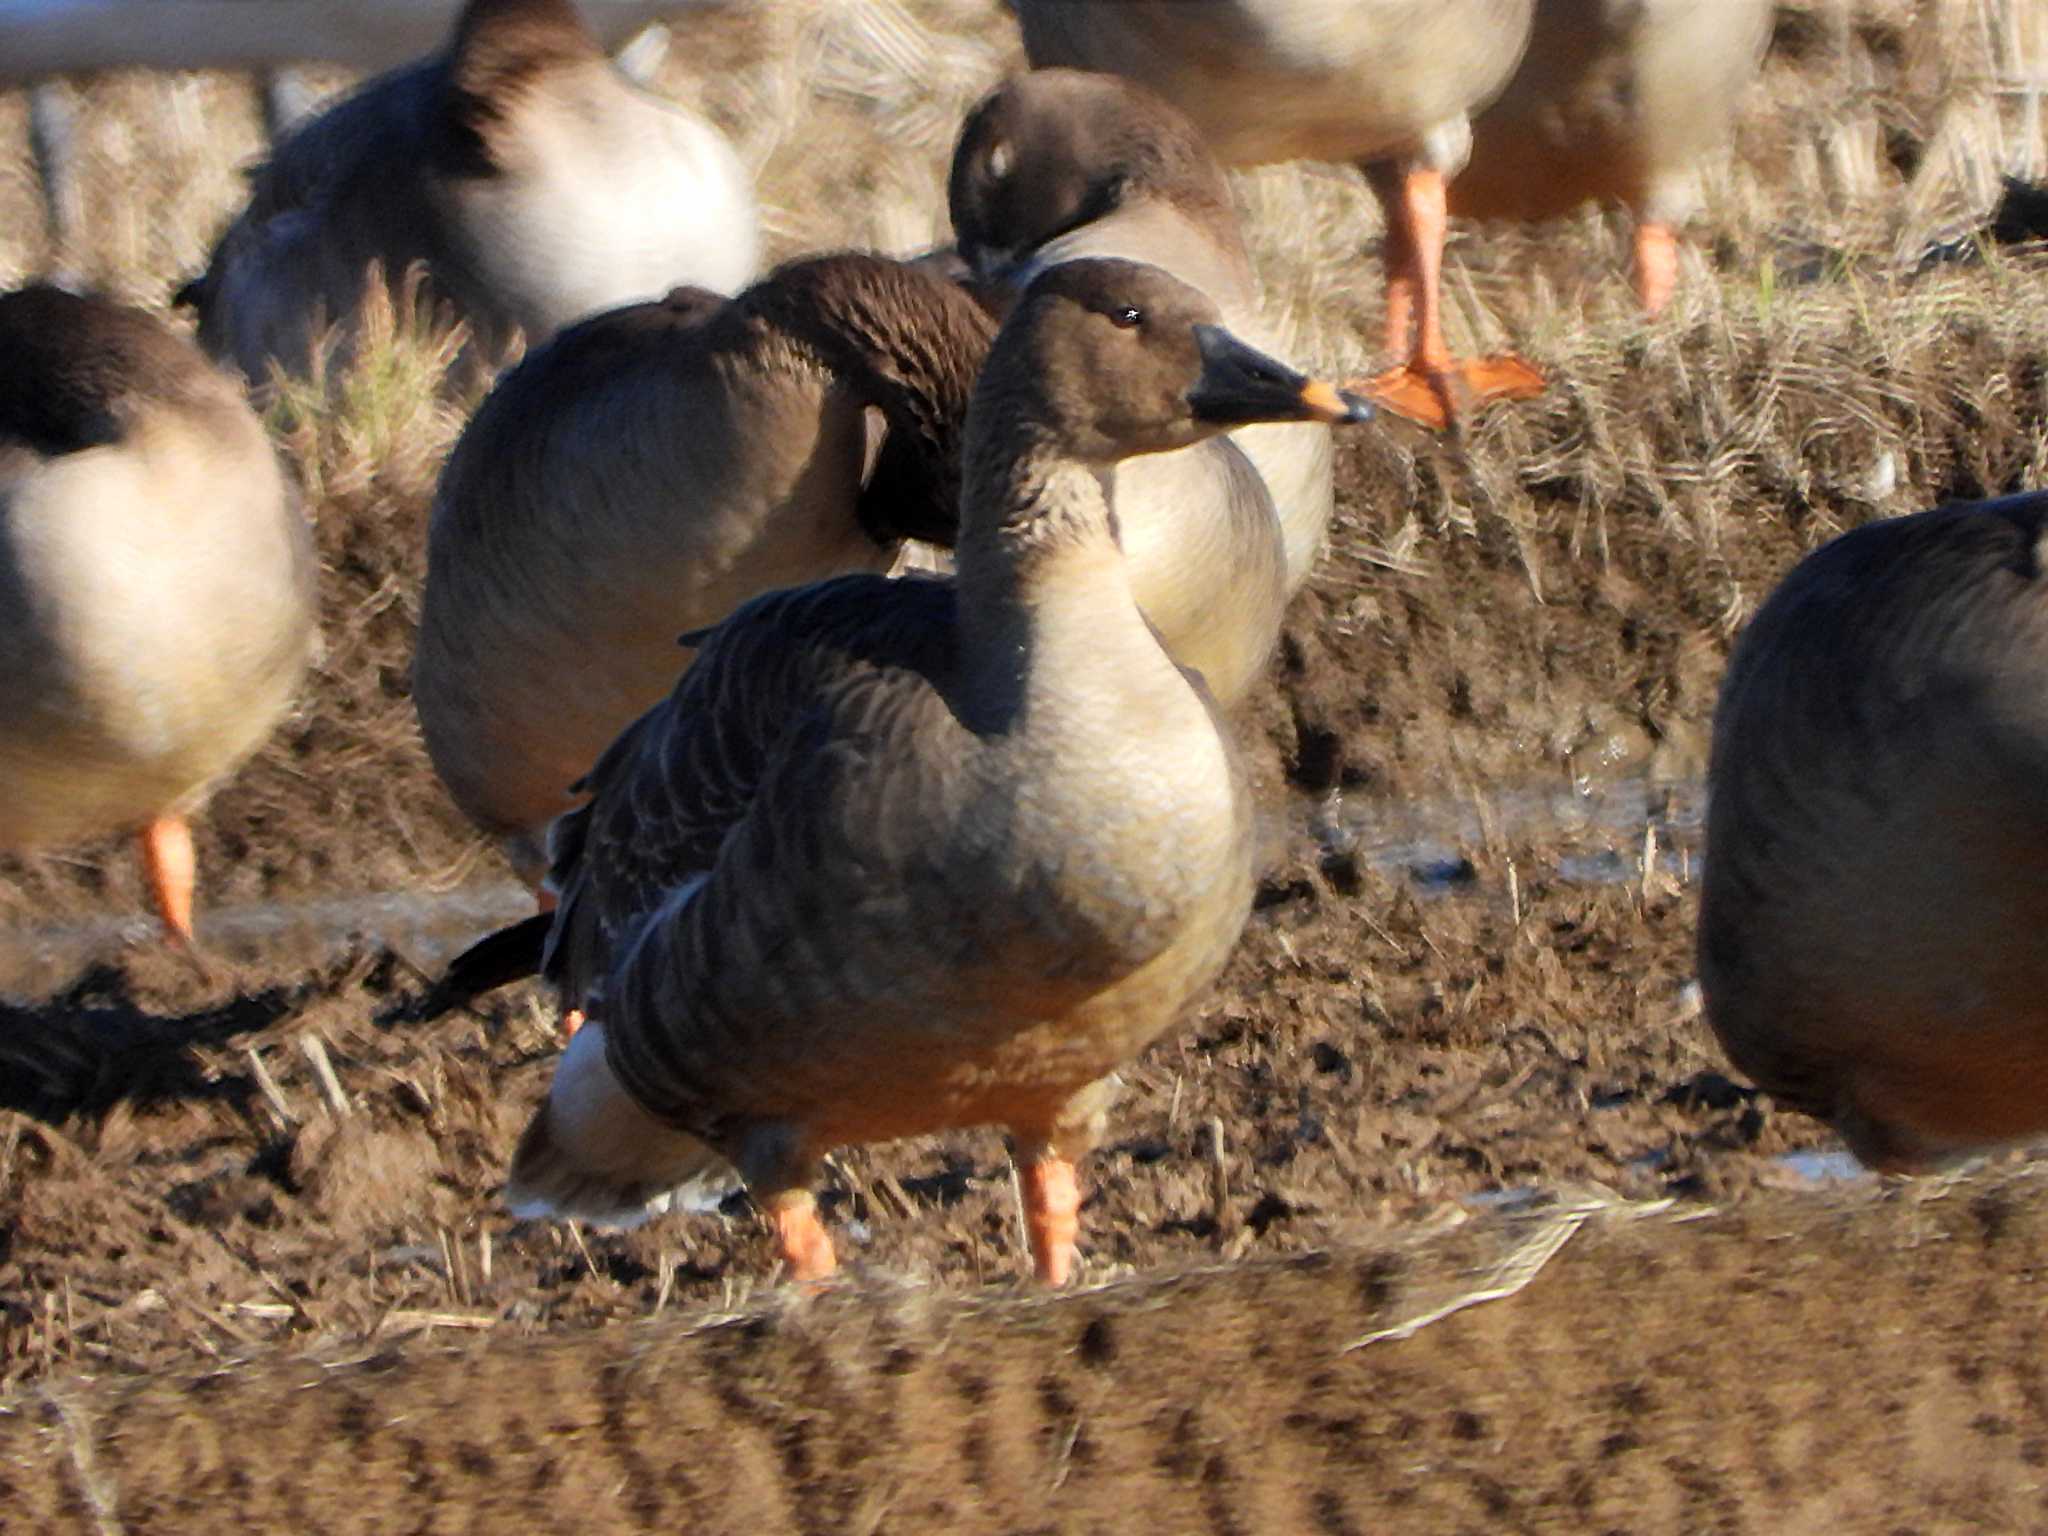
(1057, 164)
(156, 583)
(1385, 84)
(1616, 100)
(1876, 879)
(646, 473)
(901, 856)
(533, 180)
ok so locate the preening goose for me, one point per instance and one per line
(1876, 883)
(536, 183)
(1385, 84)
(1060, 163)
(648, 472)
(156, 582)
(1620, 101)
(902, 856)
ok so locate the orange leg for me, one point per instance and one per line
(171, 868)
(1656, 265)
(800, 1238)
(1431, 387)
(1052, 1213)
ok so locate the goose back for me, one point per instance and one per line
(1877, 843)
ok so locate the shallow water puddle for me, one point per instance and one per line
(427, 927)
(1592, 832)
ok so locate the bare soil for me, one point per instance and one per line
(252, 1264)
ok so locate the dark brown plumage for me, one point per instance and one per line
(1877, 841)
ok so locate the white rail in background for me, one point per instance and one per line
(39, 38)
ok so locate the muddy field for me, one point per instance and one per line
(1459, 1049)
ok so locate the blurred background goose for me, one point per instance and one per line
(1618, 101)
(903, 856)
(535, 182)
(1060, 164)
(1876, 884)
(156, 583)
(1384, 84)
(647, 473)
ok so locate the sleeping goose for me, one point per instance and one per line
(1385, 84)
(901, 856)
(648, 472)
(1616, 100)
(1876, 884)
(156, 583)
(534, 181)
(1060, 163)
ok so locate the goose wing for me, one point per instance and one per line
(781, 694)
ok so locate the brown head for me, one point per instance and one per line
(1050, 151)
(1104, 360)
(73, 367)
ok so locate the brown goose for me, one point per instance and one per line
(1618, 101)
(1385, 84)
(902, 856)
(646, 474)
(156, 582)
(534, 181)
(1060, 163)
(1876, 880)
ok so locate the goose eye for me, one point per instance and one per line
(1129, 317)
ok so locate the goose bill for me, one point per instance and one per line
(1241, 385)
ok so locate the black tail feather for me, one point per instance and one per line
(493, 961)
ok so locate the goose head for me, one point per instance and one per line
(1107, 359)
(1056, 151)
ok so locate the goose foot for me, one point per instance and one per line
(800, 1238)
(1052, 1215)
(171, 868)
(1435, 395)
(1656, 265)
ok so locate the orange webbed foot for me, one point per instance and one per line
(1435, 397)
(800, 1238)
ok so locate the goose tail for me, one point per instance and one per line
(592, 1154)
(496, 960)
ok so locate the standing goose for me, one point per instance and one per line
(1876, 885)
(1385, 84)
(1062, 163)
(904, 856)
(646, 474)
(1616, 100)
(156, 583)
(536, 183)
